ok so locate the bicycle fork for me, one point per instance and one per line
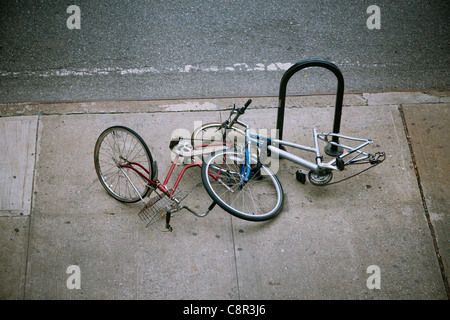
(129, 180)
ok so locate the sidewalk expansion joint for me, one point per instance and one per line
(235, 259)
(424, 203)
(33, 184)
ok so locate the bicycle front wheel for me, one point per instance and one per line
(258, 199)
(116, 148)
(211, 134)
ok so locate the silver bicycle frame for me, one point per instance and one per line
(266, 144)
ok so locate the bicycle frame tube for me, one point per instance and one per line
(156, 184)
(130, 166)
(257, 140)
(293, 158)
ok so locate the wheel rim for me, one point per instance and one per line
(257, 198)
(116, 148)
(213, 133)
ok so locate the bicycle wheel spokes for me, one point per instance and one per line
(213, 135)
(257, 199)
(116, 151)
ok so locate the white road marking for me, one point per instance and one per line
(277, 66)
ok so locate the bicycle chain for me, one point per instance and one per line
(382, 155)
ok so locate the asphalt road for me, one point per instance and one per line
(167, 49)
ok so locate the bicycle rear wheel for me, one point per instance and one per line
(117, 147)
(259, 199)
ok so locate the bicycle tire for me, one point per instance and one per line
(119, 142)
(260, 199)
(214, 132)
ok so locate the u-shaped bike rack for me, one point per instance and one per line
(330, 149)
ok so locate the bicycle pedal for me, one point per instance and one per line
(340, 164)
(300, 175)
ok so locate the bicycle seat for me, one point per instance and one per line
(181, 147)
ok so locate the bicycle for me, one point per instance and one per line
(233, 168)
(126, 169)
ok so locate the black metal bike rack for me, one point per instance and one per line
(330, 149)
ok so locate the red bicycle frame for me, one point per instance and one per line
(163, 186)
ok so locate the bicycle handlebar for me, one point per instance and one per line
(242, 110)
(239, 111)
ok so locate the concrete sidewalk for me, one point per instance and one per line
(54, 213)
